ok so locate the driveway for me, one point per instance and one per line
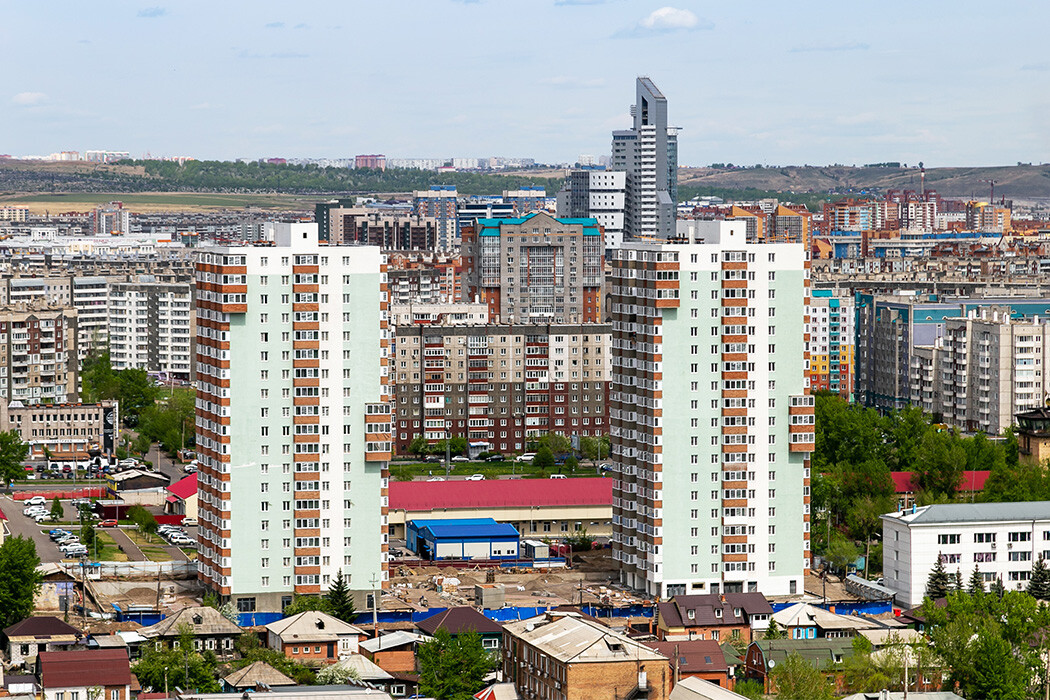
(125, 543)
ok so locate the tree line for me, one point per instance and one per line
(240, 177)
(856, 450)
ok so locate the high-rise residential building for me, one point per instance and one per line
(38, 354)
(500, 384)
(889, 329)
(789, 225)
(535, 269)
(151, 327)
(293, 418)
(110, 219)
(526, 199)
(648, 153)
(985, 369)
(711, 418)
(599, 195)
(470, 210)
(424, 277)
(374, 161)
(982, 216)
(440, 202)
(831, 342)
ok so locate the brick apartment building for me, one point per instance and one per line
(500, 383)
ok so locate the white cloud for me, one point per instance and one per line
(664, 21)
(669, 18)
(28, 99)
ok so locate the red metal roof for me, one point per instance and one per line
(84, 668)
(184, 488)
(903, 482)
(499, 493)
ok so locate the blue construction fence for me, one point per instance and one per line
(508, 614)
(846, 607)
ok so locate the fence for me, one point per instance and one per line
(846, 607)
(139, 568)
(89, 492)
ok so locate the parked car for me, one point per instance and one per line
(525, 458)
(476, 477)
(434, 459)
(559, 476)
(77, 502)
(436, 478)
(495, 458)
(42, 517)
(33, 511)
(460, 458)
(190, 469)
(110, 522)
(189, 522)
(36, 501)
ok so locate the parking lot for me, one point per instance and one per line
(125, 539)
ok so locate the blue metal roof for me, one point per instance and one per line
(491, 227)
(466, 528)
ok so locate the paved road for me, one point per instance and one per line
(18, 524)
(129, 547)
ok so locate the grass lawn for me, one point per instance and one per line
(107, 548)
(190, 552)
(491, 470)
(160, 201)
(154, 551)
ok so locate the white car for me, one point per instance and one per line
(33, 511)
(525, 458)
(36, 501)
(41, 517)
(476, 477)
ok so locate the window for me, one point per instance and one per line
(949, 539)
(246, 605)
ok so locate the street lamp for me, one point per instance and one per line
(448, 448)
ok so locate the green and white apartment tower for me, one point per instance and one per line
(712, 421)
(293, 418)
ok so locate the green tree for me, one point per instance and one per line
(997, 588)
(750, 689)
(1039, 584)
(57, 511)
(594, 449)
(939, 463)
(976, 585)
(797, 679)
(178, 668)
(774, 631)
(12, 453)
(304, 603)
(453, 668)
(557, 443)
(571, 463)
(88, 536)
(940, 581)
(142, 444)
(841, 553)
(458, 445)
(19, 579)
(998, 673)
(251, 650)
(544, 459)
(340, 602)
(419, 446)
(865, 522)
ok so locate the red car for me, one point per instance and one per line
(108, 523)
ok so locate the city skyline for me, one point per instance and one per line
(762, 85)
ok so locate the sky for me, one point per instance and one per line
(748, 81)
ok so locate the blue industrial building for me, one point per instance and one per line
(466, 538)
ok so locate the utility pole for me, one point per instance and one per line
(375, 607)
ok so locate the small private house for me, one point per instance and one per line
(70, 675)
(32, 635)
(462, 538)
(394, 652)
(314, 637)
(254, 676)
(211, 630)
(697, 658)
(825, 654)
(805, 621)
(461, 620)
(713, 616)
(182, 497)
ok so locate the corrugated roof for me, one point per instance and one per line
(184, 488)
(393, 640)
(974, 512)
(311, 626)
(570, 638)
(255, 673)
(416, 496)
(466, 528)
(694, 656)
(904, 482)
(364, 668)
(84, 668)
(805, 615)
(203, 620)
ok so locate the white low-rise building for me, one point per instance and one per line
(1002, 540)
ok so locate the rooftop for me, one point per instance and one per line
(805, 615)
(458, 621)
(202, 619)
(84, 668)
(465, 528)
(43, 626)
(904, 482)
(184, 488)
(311, 626)
(973, 512)
(570, 638)
(255, 673)
(414, 496)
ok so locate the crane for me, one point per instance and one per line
(991, 196)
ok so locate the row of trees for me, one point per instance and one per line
(222, 176)
(857, 449)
